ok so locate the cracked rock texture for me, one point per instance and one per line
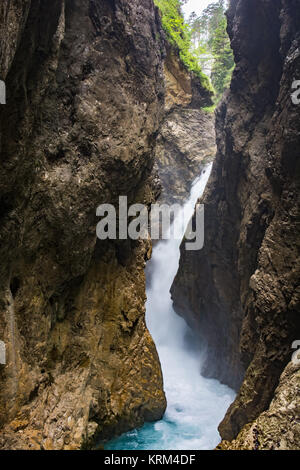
(186, 140)
(85, 98)
(185, 143)
(278, 428)
(89, 85)
(241, 292)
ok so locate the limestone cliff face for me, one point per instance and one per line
(186, 139)
(85, 98)
(278, 427)
(186, 142)
(183, 88)
(241, 292)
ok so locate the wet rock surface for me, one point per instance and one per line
(85, 98)
(185, 143)
(241, 292)
(186, 139)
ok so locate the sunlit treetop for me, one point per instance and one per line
(179, 35)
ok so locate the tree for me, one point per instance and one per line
(179, 34)
(212, 45)
(223, 63)
(202, 41)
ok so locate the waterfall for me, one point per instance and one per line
(196, 405)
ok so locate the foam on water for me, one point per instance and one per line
(196, 405)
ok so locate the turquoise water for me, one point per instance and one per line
(196, 405)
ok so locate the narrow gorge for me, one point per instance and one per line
(241, 292)
(131, 343)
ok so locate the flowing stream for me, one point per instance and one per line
(196, 405)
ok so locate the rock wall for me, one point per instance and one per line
(186, 139)
(241, 292)
(183, 88)
(85, 98)
(185, 143)
(278, 427)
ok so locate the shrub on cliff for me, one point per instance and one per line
(179, 36)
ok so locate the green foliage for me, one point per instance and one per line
(209, 109)
(203, 42)
(223, 58)
(212, 45)
(179, 35)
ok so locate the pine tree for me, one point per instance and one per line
(212, 45)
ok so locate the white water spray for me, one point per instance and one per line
(196, 405)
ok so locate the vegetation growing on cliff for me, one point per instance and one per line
(179, 35)
(203, 42)
(211, 45)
